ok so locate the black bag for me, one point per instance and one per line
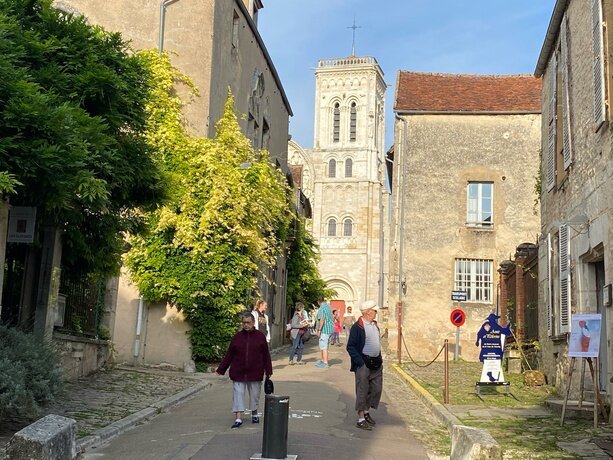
(306, 336)
(269, 387)
(373, 363)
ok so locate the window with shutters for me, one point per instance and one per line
(336, 122)
(479, 204)
(332, 168)
(235, 29)
(348, 167)
(475, 276)
(552, 109)
(564, 264)
(332, 227)
(564, 158)
(558, 287)
(353, 122)
(598, 63)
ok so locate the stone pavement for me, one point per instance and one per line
(321, 424)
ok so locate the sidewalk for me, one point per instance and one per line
(321, 424)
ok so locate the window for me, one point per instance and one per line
(353, 122)
(332, 227)
(348, 167)
(265, 135)
(337, 123)
(347, 227)
(557, 293)
(598, 63)
(479, 204)
(332, 168)
(475, 277)
(235, 30)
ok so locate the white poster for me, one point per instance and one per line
(584, 336)
(21, 224)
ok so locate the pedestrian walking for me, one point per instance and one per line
(248, 359)
(261, 318)
(364, 348)
(348, 320)
(299, 324)
(325, 328)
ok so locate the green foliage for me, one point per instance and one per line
(205, 248)
(304, 283)
(72, 116)
(30, 375)
(8, 182)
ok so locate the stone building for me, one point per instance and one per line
(465, 159)
(217, 44)
(576, 243)
(344, 177)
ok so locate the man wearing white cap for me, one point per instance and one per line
(364, 347)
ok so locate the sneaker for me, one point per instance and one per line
(301, 363)
(255, 419)
(369, 419)
(291, 363)
(236, 424)
(363, 425)
(321, 364)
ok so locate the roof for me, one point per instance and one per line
(550, 37)
(418, 92)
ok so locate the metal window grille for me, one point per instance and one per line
(475, 276)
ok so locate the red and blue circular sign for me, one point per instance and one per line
(457, 317)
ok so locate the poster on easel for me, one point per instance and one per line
(584, 339)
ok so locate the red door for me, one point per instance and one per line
(338, 305)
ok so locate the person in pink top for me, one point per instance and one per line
(338, 327)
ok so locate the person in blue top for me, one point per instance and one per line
(324, 325)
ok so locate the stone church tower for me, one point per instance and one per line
(344, 178)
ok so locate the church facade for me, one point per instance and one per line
(344, 178)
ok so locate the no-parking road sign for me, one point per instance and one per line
(457, 317)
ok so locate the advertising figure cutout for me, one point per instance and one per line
(491, 337)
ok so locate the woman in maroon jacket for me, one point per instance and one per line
(248, 359)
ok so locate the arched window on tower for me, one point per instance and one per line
(348, 167)
(337, 123)
(332, 168)
(332, 227)
(353, 120)
(347, 227)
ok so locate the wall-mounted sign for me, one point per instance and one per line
(21, 224)
(459, 296)
(584, 336)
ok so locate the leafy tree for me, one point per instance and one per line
(205, 248)
(304, 283)
(72, 117)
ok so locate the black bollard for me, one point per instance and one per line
(276, 416)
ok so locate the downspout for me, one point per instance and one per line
(139, 323)
(163, 5)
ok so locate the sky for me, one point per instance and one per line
(442, 36)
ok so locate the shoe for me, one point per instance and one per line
(363, 425)
(321, 364)
(291, 363)
(236, 424)
(301, 363)
(369, 419)
(255, 419)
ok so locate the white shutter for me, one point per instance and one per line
(550, 160)
(549, 290)
(598, 63)
(564, 279)
(566, 129)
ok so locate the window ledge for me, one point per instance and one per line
(480, 227)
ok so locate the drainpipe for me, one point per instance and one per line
(139, 323)
(163, 5)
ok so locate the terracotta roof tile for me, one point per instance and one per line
(434, 92)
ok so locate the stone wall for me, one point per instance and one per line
(81, 356)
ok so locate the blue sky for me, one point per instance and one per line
(446, 36)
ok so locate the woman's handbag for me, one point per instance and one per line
(306, 335)
(269, 387)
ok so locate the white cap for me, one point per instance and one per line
(369, 305)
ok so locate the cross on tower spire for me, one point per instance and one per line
(353, 42)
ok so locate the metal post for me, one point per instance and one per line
(456, 353)
(446, 389)
(276, 415)
(399, 322)
(139, 324)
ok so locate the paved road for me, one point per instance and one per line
(321, 424)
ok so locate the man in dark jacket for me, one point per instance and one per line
(248, 359)
(364, 347)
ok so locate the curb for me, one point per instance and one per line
(121, 426)
(438, 409)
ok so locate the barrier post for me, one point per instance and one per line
(276, 415)
(446, 358)
(399, 323)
